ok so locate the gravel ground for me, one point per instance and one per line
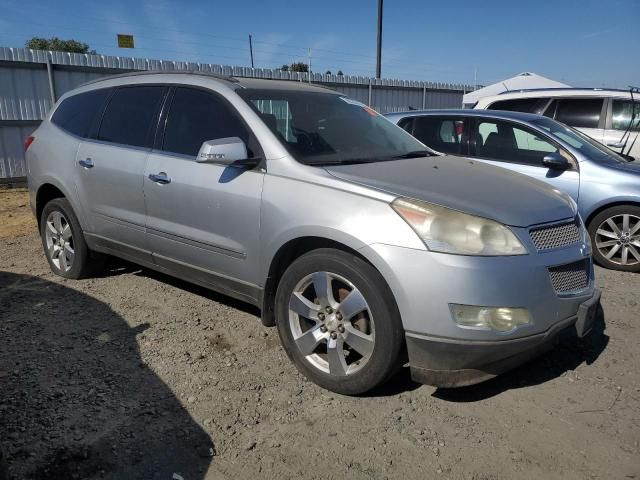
(137, 375)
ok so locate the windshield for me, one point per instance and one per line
(325, 128)
(587, 146)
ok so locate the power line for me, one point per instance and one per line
(281, 54)
(200, 34)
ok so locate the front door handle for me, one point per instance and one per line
(86, 163)
(160, 178)
(615, 144)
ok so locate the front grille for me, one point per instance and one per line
(570, 278)
(556, 236)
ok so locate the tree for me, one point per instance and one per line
(58, 45)
(328, 72)
(340, 73)
(299, 67)
(284, 68)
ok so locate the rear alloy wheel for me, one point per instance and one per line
(63, 241)
(59, 241)
(338, 322)
(615, 234)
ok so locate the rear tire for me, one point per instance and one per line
(63, 241)
(338, 321)
(615, 237)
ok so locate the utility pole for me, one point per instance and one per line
(309, 66)
(251, 49)
(379, 50)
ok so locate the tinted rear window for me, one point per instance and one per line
(130, 116)
(76, 114)
(579, 112)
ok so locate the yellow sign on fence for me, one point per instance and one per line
(125, 41)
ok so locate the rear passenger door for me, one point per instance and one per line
(110, 168)
(586, 114)
(518, 148)
(204, 219)
(444, 134)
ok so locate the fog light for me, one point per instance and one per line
(500, 319)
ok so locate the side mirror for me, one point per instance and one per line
(556, 161)
(223, 151)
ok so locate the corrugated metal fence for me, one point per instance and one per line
(31, 81)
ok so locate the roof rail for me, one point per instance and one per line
(593, 89)
(164, 72)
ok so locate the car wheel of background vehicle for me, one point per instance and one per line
(615, 236)
(338, 321)
(63, 241)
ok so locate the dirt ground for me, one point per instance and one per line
(137, 375)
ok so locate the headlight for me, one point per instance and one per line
(500, 319)
(448, 231)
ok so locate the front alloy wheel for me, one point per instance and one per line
(618, 239)
(615, 234)
(338, 321)
(331, 323)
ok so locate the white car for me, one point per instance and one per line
(611, 117)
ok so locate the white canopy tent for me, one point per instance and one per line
(522, 81)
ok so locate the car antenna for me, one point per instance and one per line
(627, 133)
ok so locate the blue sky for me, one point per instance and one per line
(583, 43)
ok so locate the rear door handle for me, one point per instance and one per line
(86, 163)
(161, 178)
(615, 144)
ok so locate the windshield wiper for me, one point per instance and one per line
(415, 154)
(346, 161)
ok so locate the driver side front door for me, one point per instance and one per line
(514, 146)
(203, 219)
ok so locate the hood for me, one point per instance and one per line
(465, 185)
(630, 167)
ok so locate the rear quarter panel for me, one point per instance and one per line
(50, 160)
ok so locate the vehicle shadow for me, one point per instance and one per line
(566, 356)
(77, 399)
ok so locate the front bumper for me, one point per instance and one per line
(453, 363)
(443, 353)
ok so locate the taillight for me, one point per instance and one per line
(28, 142)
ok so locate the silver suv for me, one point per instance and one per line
(360, 244)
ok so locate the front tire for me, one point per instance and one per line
(615, 236)
(63, 241)
(338, 321)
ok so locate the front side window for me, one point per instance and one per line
(509, 143)
(197, 116)
(622, 112)
(441, 134)
(131, 115)
(77, 113)
(590, 148)
(320, 128)
(579, 112)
